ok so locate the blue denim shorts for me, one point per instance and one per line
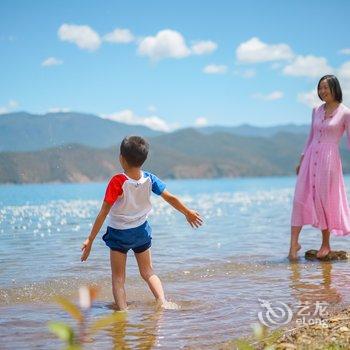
(137, 238)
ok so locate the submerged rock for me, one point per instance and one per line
(333, 255)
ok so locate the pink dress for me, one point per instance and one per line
(320, 196)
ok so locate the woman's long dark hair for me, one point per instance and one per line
(334, 86)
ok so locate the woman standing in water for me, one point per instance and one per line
(320, 197)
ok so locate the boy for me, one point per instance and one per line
(127, 203)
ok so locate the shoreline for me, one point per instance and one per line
(330, 332)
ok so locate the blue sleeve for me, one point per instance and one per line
(158, 186)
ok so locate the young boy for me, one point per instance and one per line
(127, 203)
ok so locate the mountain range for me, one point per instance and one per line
(32, 132)
(23, 131)
(74, 147)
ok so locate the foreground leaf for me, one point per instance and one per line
(63, 331)
(71, 308)
(103, 322)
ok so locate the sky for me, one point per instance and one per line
(173, 64)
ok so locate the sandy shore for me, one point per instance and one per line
(333, 333)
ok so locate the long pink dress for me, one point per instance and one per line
(320, 196)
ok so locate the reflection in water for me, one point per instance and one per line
(313, 288)
(143, 335)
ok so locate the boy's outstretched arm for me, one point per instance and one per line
(192, 216)
(86, 248)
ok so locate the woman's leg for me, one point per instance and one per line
(118, 262)
(294, 244)
(325, 247)
(144, 261)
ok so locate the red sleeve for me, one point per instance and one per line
(114, 188)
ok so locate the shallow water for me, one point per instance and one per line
(216, 274)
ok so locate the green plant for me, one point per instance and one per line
(262, 339)
(74, 338)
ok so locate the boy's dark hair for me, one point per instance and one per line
(134, 150)
(334, 86)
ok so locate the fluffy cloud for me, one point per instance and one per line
(203, 47)
(344, 51)
(81, 35)
(166, 43)
(308, 66)
(201, 121)
(51, 61)
(127, 116)
(169, 43)
(215, 69)
(275, 95)
(254, 50)
(120, 36)
(343, 73)
(309, 98)
(11, 105)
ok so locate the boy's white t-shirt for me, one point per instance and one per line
(131, 199)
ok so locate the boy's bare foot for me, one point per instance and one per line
(323, 252)
(293, 252)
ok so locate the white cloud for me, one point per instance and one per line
(309, 98)
(51, 61)
(203, 47)
(119, 35)
(127, 116)
(344, 51)
(169, 43)
(275, 95)
(13, 104)
(165, 44)
(58, 110)
(308, 66)
(201, 121)
(215, 69)
(254, 50)
(81, 35)
(343, 73)
(9, 107)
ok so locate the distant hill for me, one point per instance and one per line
(21, 131)
(250, 130)
(183, 154)
(30, 132)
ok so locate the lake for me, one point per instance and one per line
(217, 274)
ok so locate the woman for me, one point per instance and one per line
(320, 197)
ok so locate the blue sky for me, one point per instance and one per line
(169, 64)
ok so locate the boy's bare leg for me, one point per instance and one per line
(294, 244)
(144, 262)
(118, 262)
(325, 247)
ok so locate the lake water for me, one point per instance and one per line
(216, 274)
